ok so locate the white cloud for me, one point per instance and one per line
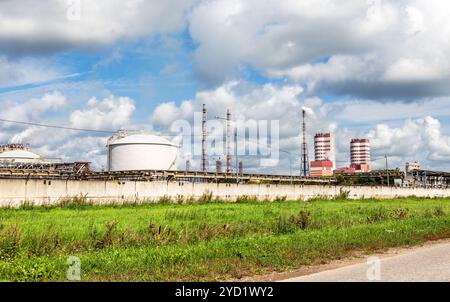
(111, 113)
(166, 113)
(33, 109)
(26, 71)
(377, 49)
(372, 49)
(366, 112)
(418, 139)
(29, 28)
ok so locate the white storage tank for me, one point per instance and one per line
(140, 151)
(20, 156)
(18, 153)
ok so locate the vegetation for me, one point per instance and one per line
(206, 239)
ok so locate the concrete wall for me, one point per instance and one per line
(13, 192)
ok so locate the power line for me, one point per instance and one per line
(269, 146)
(54, 126)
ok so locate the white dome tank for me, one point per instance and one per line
(19, 153)
(140, 151)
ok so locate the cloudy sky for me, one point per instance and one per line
(367, 68)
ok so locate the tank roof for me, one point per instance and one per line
(139, 138)
(18, 153)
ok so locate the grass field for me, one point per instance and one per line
(206, 241)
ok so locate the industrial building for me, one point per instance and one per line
(324, 156)
(324, 149)
(137, 150)
(360, 154)
(322, 168)
(359, 158)
(409, 167)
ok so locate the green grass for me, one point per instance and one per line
(206, 241)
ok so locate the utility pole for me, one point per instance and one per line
(290, 162)
(236, 155)
(203, 168)
(387, 170)
(290, 168)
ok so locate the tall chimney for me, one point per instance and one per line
(204, 164)
(229, 169)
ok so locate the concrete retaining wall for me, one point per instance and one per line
(14, 192)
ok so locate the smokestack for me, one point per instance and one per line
(304, 151)
(188, 165)
(204, 164)
(228, 141)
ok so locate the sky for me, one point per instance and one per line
(378, 69)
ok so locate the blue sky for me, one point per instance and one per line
(378, 70)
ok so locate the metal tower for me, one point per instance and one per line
(204, 164)
(229, 168)
(304, 151)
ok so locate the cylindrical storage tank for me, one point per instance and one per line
(143, 151)
(20, 156)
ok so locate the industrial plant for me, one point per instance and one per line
(144, 156)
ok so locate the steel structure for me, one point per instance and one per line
(77, 168)
(204, 163)
(156, 175)
(304, 151)
(427, 178)
(229, 168)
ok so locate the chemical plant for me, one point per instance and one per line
(139, 155)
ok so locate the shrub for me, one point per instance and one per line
(74, 202)
(158, 234)
(45, 242)
(303, 220)
(10, 240)
(438, 211)
(165, 199)
(246, 199)
(180, 199)
(400, 213)
(343, 194)
(380, 214)
(284, 225)
(206, 197)
(280, 198)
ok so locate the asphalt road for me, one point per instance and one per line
(428, 263)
